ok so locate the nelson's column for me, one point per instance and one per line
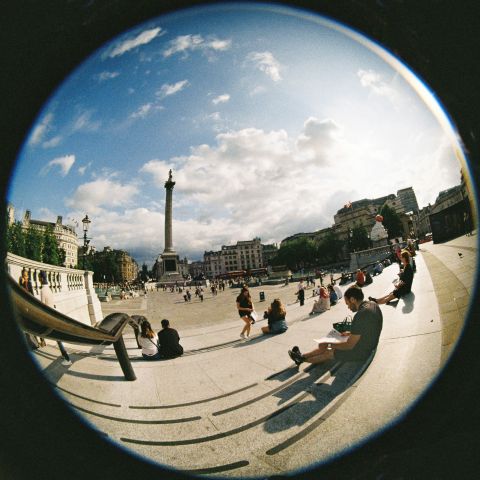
(169, 256)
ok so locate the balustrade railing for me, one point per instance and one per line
(73, 290)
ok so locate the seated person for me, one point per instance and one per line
(276, 318)
(360, 278)
(338, 291)
(168, 341)
(378, 268)
(368, 277)
(136, 322)
(403, 286)
(333, 295)
(362, 339)
(323, 302)
(146, 342)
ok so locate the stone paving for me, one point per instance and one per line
(241, 408)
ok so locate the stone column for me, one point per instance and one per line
(169, 184)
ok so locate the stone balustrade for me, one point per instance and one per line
(365, 257)
(73, 291)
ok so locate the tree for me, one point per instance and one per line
(359, 239)
(296, 254)
(144, 273)
(329, 249)
(33, 244)
(51, 252)
(391, 221)
(16, 239)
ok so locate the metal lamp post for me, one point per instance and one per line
(86, 224)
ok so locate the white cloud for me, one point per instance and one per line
(251, 182)
(221, 99)
(53, 142)
(65, 163)
(143, 111)
(186, 43)
(84, 122)
(167, 89)
(92, 196)
(103, 76)
(41, 129)
(266, 63)
(318, 138)
(376, 84)
(81, 170)
(215, 116)
(141, 39)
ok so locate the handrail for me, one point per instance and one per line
(39, 319)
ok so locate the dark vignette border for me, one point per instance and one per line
(41, 42)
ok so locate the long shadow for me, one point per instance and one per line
(257, 339)
(324, 394)
(408, 300)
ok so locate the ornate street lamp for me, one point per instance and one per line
(86, 224)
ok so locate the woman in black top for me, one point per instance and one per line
(245, 308)
(404, 285)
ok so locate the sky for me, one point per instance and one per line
(270, 118)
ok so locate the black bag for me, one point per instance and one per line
(344, 326)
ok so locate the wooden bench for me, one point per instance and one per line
(38, 319)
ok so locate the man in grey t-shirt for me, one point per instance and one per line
(362, 338)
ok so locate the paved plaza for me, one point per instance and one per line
(241, 408)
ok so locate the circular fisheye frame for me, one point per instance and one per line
(228, 236)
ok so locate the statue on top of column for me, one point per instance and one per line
(169, 183)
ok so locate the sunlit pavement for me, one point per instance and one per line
(241, 408)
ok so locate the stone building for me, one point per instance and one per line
(269, 251)
(65, 235)
(451, 215)
(244, 255)
(127, 265)
(408, 199)
(196, 269)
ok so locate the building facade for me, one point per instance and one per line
(65, 235)
(408, 199)
(244, 255)
(127, 265)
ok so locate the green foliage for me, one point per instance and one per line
(105, 267)
(329, 250)
(51, 250)
(33, 244)
(16, 239)
(359, 239)
(62, 255)
(144, 273)
(298, 253)
(391, 221)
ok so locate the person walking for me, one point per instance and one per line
(245, 309)
(301, 293)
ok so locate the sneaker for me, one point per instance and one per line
(296, 357)
(242, 335)
(296, 349)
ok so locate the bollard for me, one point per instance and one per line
(262, 296)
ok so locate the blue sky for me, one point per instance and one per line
(271, 120)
